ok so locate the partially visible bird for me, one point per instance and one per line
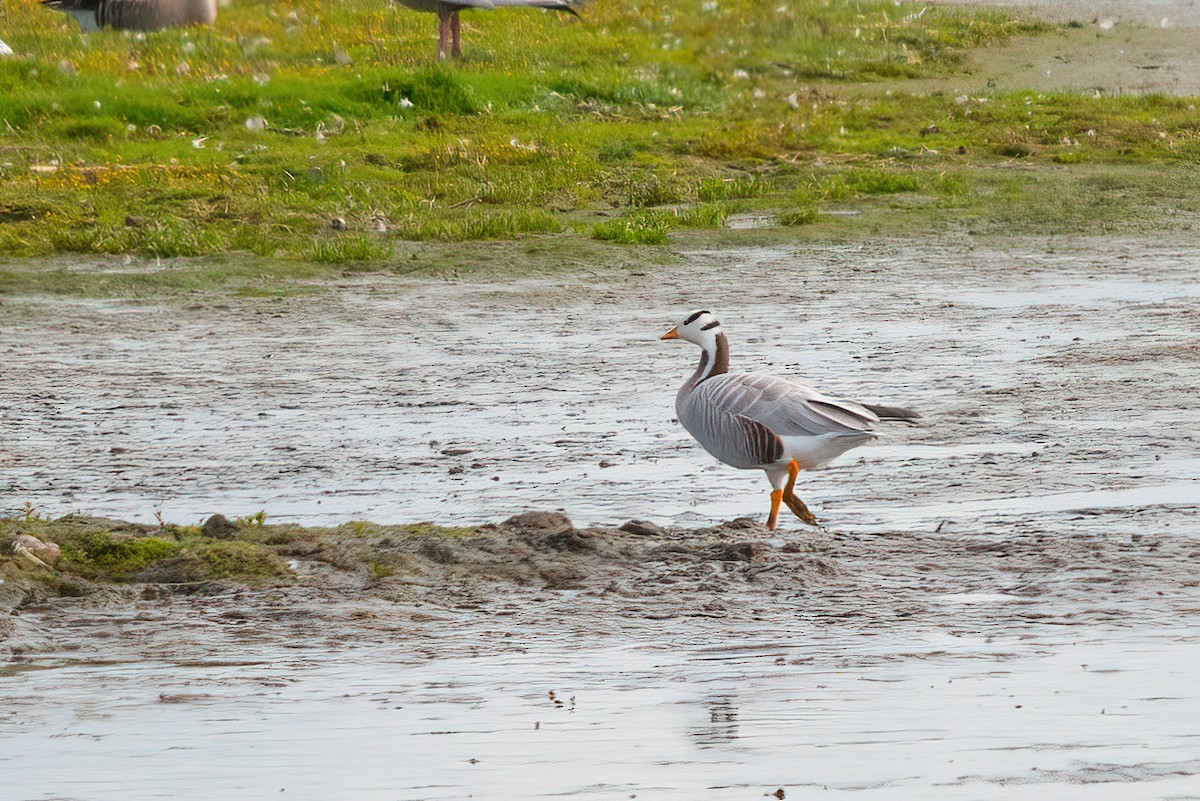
(137, 15)
(755, 421)
(449, 30)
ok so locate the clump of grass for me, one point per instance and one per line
(651, 190)
(714, 189)
(206, 560)
(111, 556)
(703, 216)
(639, 230)
(867, 181)
(473, 225)
(651, 226)
(379, 570)
(347, 248)
(800, 216)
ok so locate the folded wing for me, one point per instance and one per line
(742, 418)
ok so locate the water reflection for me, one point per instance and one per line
(722, 720)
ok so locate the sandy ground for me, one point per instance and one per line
(1002, 596)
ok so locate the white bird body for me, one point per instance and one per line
(757, 421)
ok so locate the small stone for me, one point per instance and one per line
(132, 221)
(43, 553)
(219, 527)
(337, 224)
(642, 528)
(256, 124)
(539, 520)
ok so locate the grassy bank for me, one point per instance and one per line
(265, 133)
(97, 552)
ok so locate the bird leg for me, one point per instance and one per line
(776, 498)
(443, 30)
(456, 36)
(789, 496)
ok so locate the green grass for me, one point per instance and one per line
(101, 551)
(253, 134)
(640, 125)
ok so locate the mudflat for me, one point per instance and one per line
(1001, 595)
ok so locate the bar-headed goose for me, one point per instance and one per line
(448, 25)
(137, 15)
(756, 421)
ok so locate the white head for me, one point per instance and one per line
(700, 327)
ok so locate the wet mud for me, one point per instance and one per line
(1114, 47)
(535, 659)
(1000, 598)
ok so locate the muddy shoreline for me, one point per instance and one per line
(1002, 596)
(540, 567)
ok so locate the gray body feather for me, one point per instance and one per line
(755, 420)
(137, 15)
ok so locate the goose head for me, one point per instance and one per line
(700, 327)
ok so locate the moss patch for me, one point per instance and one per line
(231, 560)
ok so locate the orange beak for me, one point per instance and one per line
(672, 334)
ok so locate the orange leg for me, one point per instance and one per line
(776, 499)
(789, 496)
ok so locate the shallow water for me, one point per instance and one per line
(1051, 381)
(1057, 403)
(1105, 714)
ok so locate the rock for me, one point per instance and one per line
(35, 550)
(112, 525)
(569, 540)
(133, 221)
(337, 224)
(643, 528)
(741, 524)
(539, 520)
(737, 551)
(219, 527)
